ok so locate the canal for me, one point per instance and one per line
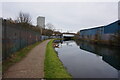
(86, 60)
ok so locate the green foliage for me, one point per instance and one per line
(17, 56)
(53, 66)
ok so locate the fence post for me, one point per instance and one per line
(20, 35)
(5, 39)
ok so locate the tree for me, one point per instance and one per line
(50, 26)
(10, 20)
(78, 33)
(23, 18)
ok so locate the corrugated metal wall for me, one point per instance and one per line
(90, 33)
(103, 33)
(111, 28)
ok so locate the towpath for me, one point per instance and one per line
(32, 66)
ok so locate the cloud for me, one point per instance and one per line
(71, 16)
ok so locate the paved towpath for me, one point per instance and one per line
(32, 66)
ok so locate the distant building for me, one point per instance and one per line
(105, 33)
(41, 22)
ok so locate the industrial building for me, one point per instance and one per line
(41, 22)
(103, 33)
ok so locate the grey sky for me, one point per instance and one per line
(71, 16)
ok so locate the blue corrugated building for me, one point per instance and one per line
(92, 31)
(102, 33)
(112, 28)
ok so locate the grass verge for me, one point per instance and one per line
(17, 56)
(53, 66)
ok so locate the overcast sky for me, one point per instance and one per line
(68, 16)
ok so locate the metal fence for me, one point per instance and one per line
(15, 37)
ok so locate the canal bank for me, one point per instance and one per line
(17, 56)
(85, 60)
(53, 67)
(31, 66)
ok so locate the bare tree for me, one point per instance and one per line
(78, 33)
(24, 18)
(50, 26)
(10, 20)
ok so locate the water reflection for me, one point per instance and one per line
(80, 60)
(111, 55)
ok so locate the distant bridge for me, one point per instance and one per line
(68, 35)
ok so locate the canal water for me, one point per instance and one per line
(85, 60)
